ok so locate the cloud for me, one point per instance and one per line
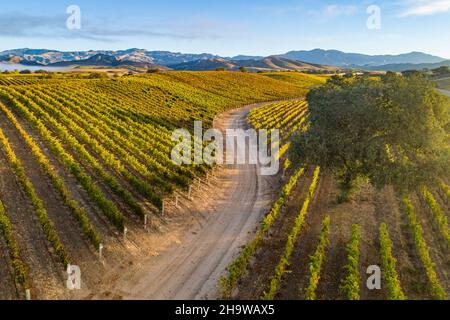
(21, 25)
(426, 7)
(279, 9)
(335, 10)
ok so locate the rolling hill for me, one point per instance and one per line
(343, 59)
(206, 65)
(184, 61)
(272, 63)
(103, 60)
(276, 63)
(48, 57)
(399, 67)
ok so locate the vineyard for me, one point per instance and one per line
(87, 179)
(6, 81)
(85, 164)
(311, 247)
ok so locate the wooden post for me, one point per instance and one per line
(177, 199)
(125, 230)
(145, 221)
(27, 294)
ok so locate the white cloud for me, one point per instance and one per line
(426, 7)
(279, 9)
(335, 10)
(21, 25)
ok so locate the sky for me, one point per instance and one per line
(230, 27)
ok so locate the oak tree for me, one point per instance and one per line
(389, 130)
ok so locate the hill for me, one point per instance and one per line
(276, 63)
(272, 63)
(408, 66)
(298, 79)
(206, 65)
(245, 57)
(343, 59)
(103, 60)
(18, 60)
(47, 57)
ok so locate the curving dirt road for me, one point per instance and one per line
(444, 92)
(191, 269)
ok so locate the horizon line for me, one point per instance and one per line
(225, 56)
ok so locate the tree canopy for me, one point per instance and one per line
(392, 130)
(444, 70)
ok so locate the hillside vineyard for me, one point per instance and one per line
(311, 247)
(87, 179)
(86, 161)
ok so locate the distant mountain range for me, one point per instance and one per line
(342, 59)
(317, 59)
(104, 60)
(272, 63)
(410, 66)
(51, 57)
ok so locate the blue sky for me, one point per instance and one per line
(229, 27)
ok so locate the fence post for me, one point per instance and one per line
(100, 251)
(27, 294)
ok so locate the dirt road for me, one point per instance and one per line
(191, 269)
(444, 92)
